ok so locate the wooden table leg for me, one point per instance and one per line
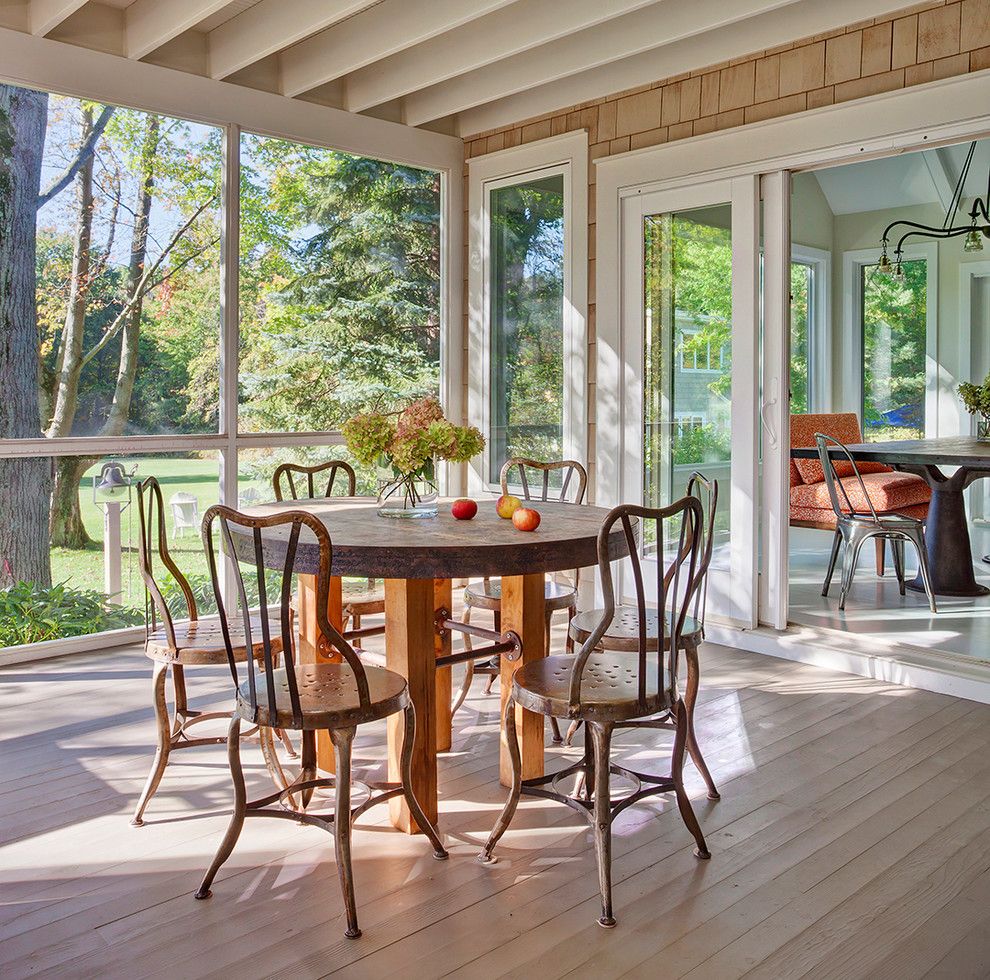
(442, 599)
(410, 651)
(523, 604)
(312, 651)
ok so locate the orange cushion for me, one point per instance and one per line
(843, 426)
(826, 518)
(887, 491)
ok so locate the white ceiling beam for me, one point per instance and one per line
(643, 30)
(384, 30)
(148, 24)
(940, 170)
(45, 15)
(759, 32)
(474, 45)
(270, 26)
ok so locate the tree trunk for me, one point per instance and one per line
(67, 528)
(25, 484)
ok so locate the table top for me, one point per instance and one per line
(965, 451)
(365, 544)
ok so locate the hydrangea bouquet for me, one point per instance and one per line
(406, 445)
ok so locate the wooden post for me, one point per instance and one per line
(523, 604)
(410, 651)
(313, 649)
(442, 599)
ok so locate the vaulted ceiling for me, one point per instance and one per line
(457, 66)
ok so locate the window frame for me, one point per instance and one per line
(566, 155)
(819, 260)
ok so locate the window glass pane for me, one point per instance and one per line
(688, 353)
(527, 322)
(801, 293)
(110, 241)
(894, 352)
(340, 285)
(57, 591)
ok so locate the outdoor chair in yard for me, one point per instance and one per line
(331, 697)
(174, 643)
(487, 594)
(605, 688)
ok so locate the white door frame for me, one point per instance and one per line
(735, 603)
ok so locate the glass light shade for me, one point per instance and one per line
(884, 264)
(898, 272)
(973, 241)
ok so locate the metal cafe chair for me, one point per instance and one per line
(332, 697)
(856, 522)
(605, 688)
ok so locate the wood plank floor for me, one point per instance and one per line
(852, 840)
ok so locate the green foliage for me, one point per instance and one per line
(976, 398)
(701, 444)
(30, 613)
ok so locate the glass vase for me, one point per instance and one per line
(983, 429)
(408, 495)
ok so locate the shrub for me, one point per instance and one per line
(30, 613)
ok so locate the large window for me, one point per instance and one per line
(113, 332)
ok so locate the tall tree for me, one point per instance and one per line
(25, 484)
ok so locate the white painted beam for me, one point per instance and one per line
(270, 26)
(45, 15)
(482, 42)
(148, 24)
(644, 30)
(763, 30)
(384, 30)
(939, 169)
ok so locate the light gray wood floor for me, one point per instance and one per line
(852, 840)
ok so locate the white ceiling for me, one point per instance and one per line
(458, 66)
(926, 177)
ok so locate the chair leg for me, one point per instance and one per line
(569, 643)
(408, 739)
(601, 739)
(690, 698)
(879, 545)
(557, 738)
(505, 817)
(926, 575)
(179, 698)
(497, 616)
(849, 560)
(677, 774)
(342, 739)
(164, 730)
(307, 769)
(240, 807)
(356, 625)
(572, 730)
(469, 672)
(897, 551)
(836, 541)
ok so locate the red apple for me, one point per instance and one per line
(463, 509)
(507, 505)
(526, 519)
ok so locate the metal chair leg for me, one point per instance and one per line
(342, 739)
(601, 738)
(897, 550)
(926, 576)
(164, 734)
(240, 807)
(690, 698)
(505, 817)
(677, 775)
(557, 738)
(836, 541)
(307, 769)
(405, 762)
(849, 560)
(572, 730)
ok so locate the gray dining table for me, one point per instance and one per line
(947, 528)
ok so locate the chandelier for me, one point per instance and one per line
(975, 231)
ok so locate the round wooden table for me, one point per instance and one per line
(417, 558)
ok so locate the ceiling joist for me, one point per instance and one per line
(149, 24)
(379, 32)
(45, 15)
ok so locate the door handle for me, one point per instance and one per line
(769, 403)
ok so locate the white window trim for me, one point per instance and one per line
(819, 325)
(853, 263)
(566, 155)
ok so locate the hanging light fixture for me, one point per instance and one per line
(977, 228)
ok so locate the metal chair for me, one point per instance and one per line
(361, 598)
(173, 646)
(857, 522)
(623, 632)
(335, 697)
(488, 593)
(605, 688)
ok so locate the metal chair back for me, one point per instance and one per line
(245, 548)
(284, 479)
(570, 470)
(834, 482)
(153, 531)
(680, 522)
(706, 491)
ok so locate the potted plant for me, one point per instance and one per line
(405, 445)
(976, 398)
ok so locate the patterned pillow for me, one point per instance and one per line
(843, 426)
